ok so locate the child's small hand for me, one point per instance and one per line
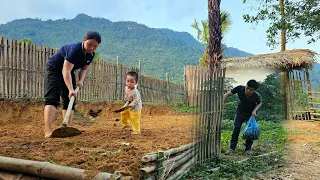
(122, 109)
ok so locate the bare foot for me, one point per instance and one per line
(136, 133)
(125, 127)
(47, 134)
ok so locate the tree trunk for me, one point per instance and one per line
(283, 30)
(283, 75)
(215, 37)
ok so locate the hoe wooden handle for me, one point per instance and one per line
(67, 116)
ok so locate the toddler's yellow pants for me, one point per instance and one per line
(134, 117)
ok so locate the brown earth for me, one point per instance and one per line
(303, 152)
(100, 146)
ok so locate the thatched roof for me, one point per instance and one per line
(298, 58)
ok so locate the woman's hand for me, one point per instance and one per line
(72, 93)
(80, 84)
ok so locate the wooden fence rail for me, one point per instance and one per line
(22, 71)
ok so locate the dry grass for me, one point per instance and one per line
(298, 58)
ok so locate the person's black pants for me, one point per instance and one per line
(239, 120)
(54, 87)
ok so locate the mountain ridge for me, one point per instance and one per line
(161, 50)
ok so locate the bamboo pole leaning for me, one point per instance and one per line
(48, 170)
(185, 168)
(154, 156)
(160, 165)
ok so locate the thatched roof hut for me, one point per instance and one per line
(291, 59)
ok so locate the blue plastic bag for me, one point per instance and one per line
(252, 130)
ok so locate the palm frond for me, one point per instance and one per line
(195, 25)
(225, 22)
(205, 27)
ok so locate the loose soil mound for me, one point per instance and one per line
(101, 146)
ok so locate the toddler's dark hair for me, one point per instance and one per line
(133, 74)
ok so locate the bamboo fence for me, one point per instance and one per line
(206, 92)
(301, 101)
(170, 164)
(22, 70)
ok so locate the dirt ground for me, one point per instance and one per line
(100, 147)
(303, 152)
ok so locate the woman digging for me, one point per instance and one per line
(60, 78)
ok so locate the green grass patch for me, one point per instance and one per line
(272, 138)
(181, 107)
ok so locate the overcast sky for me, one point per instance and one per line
(173, 14)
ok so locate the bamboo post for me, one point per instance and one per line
(140, 80)
(48, 170)
(37, 71)
(6, 67)
(211, 113)
(283, 93)
(18, 70)
(29, 70)
(185, 86)
(139, 69)
(160, 167)
(32, 60)
(26, 69)
(118, 76)
(121, 82)
(2, 66)
(10, 70)
(168, 87)
(14, 68)
(221, 110)
(42, 67)
(202, 80)
(309, 92)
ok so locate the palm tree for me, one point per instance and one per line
(214, 49)
(203, 34)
